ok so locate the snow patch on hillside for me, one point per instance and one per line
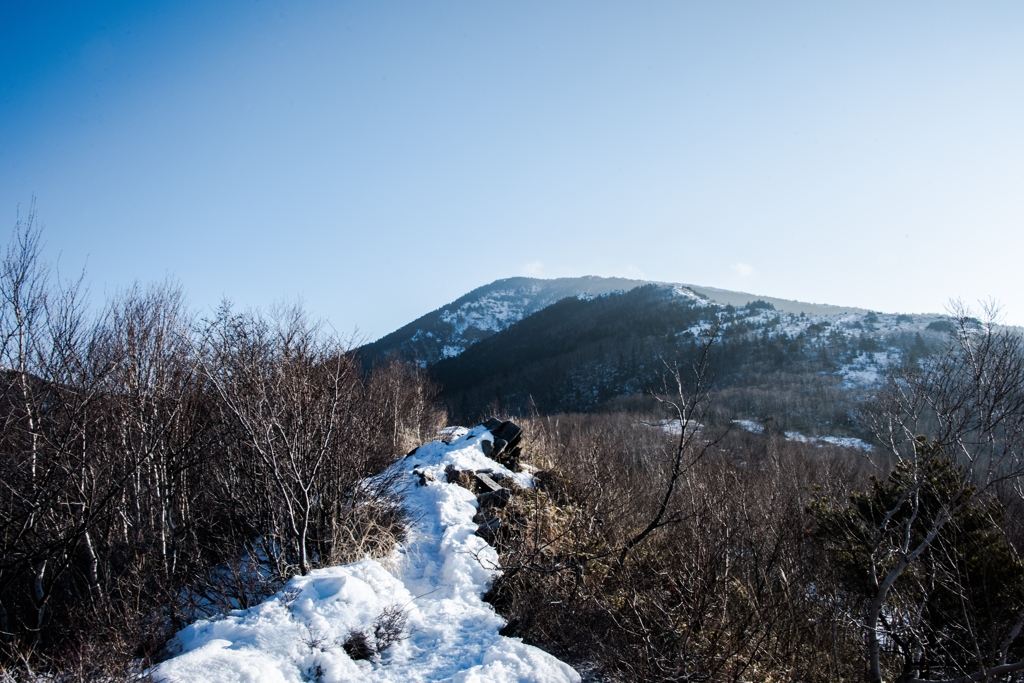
(451, 350)
(437, 578)
(868, 370)
(749, 426)
(492, 313)
(843, 441)
(695, 298)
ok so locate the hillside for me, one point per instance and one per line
(479, 314)
(451, 329)
(582, 354)
(730, 298)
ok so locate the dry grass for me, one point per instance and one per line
(721, 593)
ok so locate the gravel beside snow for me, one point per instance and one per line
(438, 577)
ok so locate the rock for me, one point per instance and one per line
(487, 447)
(487, 482)
(499, 446)
(489, 530)
(492, 423)
(509, 629)
(463, 478)
(509, 432)
(494, 499)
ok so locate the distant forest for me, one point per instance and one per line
(158, 467)
(161, 467)
(585, 355)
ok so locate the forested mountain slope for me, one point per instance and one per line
(580, 354)
(451, 329)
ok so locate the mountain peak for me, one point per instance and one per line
(454, 327)
(492, 308)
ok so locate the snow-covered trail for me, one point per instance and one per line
(438, 577)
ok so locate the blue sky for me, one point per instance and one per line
(381, 159)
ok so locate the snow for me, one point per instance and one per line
(437, 578)
(492, 312)
(749, 426)
(451, 350)
(844, 441)
(695, 299)
(674, 427)
(868, 370)
(847, 442)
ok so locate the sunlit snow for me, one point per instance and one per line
(437, 577)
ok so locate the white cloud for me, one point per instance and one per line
(633, 273)
(533, 269)
(742, 269)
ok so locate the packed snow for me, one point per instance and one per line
(436, 578)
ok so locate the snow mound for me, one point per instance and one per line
(437, 579)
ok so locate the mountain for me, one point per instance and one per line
(730, 298)
(583, 344)
(803, 370)
(453, 328)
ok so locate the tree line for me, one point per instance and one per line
(578, 355)
(680, 550)
(157, 466)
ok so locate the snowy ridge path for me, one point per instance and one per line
(440, 574)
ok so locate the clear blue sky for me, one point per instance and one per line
(381, 159)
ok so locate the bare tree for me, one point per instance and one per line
(296, 396)
(42, 342)
(970, 401)
(687, 406)
(154, 469)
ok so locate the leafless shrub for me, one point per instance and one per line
(314, 638)
(722, 593)
(146, 477)
(388, 627)
(739, 583)
(357, 645)
(289, 596)
(955, 431)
